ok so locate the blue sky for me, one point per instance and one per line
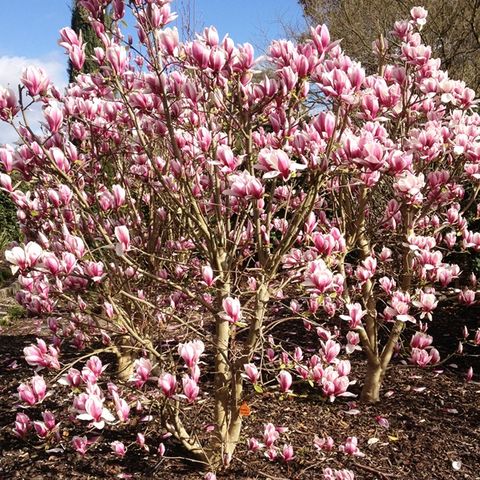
(30, 28)
(29, 33)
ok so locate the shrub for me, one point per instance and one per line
(177, 206)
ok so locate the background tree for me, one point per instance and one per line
(81, 25)
(453, 29)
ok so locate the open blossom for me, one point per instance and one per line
(80, 444)
(277, 163)
(73, 378)
(411, 185)
(42, 356)
(327, 444)
(96, 412)
(331, 349)
(332, 474)
(287, 453)
(244, 185)
(23, 258)
(35, 80)
(427, 302)
(350, 447)
(319, 277)
(419, 15)
(422, 357)
(353, 341)
(355, 315)
(421, 340)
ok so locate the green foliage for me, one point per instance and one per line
(14, 312)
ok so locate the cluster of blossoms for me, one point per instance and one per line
(179, 193)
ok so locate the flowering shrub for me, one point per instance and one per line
(178, 202)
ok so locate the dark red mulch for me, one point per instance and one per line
(434, 425)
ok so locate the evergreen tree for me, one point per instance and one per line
(81, 25)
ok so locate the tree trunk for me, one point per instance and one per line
(125, 363)
(373, 382)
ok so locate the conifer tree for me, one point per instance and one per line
(81, 25)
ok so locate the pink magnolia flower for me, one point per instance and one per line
(232, 310)
(94, 364)
(121, 407)
(8, 109)
(118, 448)
(421, 340)
(22, 425)
(270, 435)
(35, 80)
(419, 15)
(355, 315)
(253, 445)
(331, 349)
(382, 421)
(422, 357)
(118, 58)
(427, 302)
(96, 412)
(190, 388)
(80, 444)
(244, 185)
(353, 341)
(277, 163)
(168, 383)
(140, 441)
(327, 444)
(350, 447)
(284, 380)
(251, 372)
(467, 297)
(331, 474)
(54, 117)
(161, 450)
(23, 258)
(207, 275)
(318, 277)
(287, 453)
(123, 236)
(476, 339)
(42, 356)
(191, 352)
(34, 392)
(410, 185)
(143, 368)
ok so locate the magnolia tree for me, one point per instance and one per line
(178, 204)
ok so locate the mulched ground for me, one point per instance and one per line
(433, 433)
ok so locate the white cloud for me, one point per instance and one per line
(11, 68)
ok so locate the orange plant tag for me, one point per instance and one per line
(245, 410)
